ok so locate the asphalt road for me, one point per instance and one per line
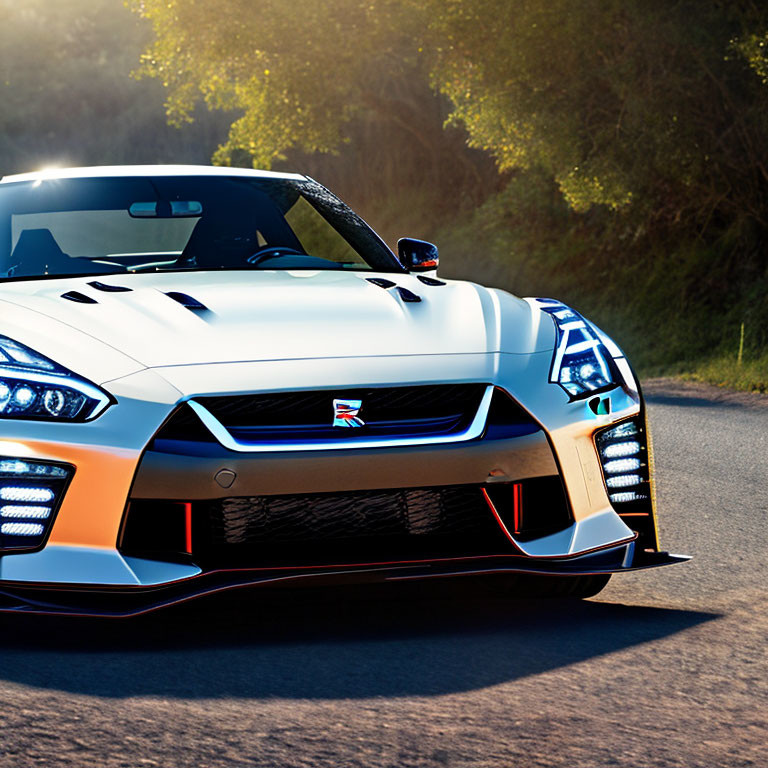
(664, 668)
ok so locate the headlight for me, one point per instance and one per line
(582, 364)
(34, 387)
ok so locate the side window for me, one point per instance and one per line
(317, 237)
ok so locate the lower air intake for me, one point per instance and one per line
(364, 526)
(390, 525)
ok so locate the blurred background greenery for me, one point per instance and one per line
(611, 153)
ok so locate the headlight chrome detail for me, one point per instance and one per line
(586, 361)
(582, 365)
(34, 387)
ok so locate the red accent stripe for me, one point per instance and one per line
(187, 527)
(500, 521)
(516, 493)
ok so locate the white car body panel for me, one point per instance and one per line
(273, 315)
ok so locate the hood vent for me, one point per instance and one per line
(80, 298)
(407, 295)
(187, 301)
(429, 280)
(404, 293)
(380, 282)
(109, 288)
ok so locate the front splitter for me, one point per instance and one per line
(124, 602)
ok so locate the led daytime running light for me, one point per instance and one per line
(30, 513)
(18, 467)
(623, 481)
(618, 450)
(16, 493)
(621, 465)
(21, 529)
(627, 429)
(625, 496)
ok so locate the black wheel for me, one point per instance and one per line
(527, 585)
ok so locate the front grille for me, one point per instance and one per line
(388, 411)
(416, 411)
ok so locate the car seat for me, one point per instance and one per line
(38, 253)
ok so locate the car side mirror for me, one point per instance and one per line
(417, 255)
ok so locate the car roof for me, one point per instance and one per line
(112, 171)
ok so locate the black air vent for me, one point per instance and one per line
(80, 298)
(507, 418)
(407, 295)
(187, 301)
(429, 280)
(380, 282)
(109, 288)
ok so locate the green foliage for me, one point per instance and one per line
(620, 101)
(754, 49)
(624, 103)
(617, 148)
(67, 96)
(336, 87)
(297, 72)
(751, 376)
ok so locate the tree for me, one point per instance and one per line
(67, 96)
(624, 103)
(309, 78)
(297, 72)
(620, 101)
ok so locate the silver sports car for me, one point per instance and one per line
(214, 377)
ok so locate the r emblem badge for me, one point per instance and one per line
(345, 413)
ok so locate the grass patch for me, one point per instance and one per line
(750, 376)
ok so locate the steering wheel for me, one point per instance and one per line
(267, 252)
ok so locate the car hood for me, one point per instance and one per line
(275, 315)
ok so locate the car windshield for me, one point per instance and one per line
(96, 226)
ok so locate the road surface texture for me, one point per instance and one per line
(664, 668)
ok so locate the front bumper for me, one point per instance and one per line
(113, 464)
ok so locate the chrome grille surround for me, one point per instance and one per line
(457, 420)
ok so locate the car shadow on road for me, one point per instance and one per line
(692, 401)
(422, 640)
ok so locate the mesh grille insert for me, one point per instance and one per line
(363, 526)
(323, 517)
